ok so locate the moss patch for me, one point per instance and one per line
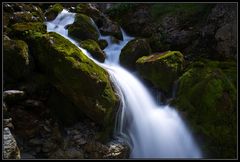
(83, 28)
(208, 97)
(17, 62)
(161, 69)
(52, 13)
(93, 47)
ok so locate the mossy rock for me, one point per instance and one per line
(93, 48)
(23, 30)
(24, 17)
(52, 12)
(78, 78)
(161, 69)
(133, 50)
(17, 63)
(83, 28)
(208, 98)
(103, 44)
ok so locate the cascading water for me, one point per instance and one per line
(152, 131)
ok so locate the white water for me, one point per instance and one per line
(152, 131)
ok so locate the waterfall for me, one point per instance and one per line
(151, 130)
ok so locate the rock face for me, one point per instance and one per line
(83, 28)
(161, 69)
(93, 48)
(207, 96)
(18, 64)
(53, 11)
(77, 77)
(132, 51)
(10, 148)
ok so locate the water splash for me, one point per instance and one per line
(152, 131)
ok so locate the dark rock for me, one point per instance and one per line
(133, 50)
(10, 148)
(12, 96)
(18, 64)
(53, 11)
(83, 28)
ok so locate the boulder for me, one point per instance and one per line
(133, 50)
(161, 69)
(23, 30)
(208, 98)
(10, 148)
(53, 11)
(78, 78)
(106, 26)
(103, 44)
(17, 63)
(93, 48)
(83, 28)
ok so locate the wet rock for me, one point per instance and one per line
(83, 28)
(53, 11)
(93, 48)
(18, 63)
(161, 69)
(117, 150)
(133, 50)
(10, 148)
(11, 96)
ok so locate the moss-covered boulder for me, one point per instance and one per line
(23, 17)
(93, 48)
(133, 50)
(83, 28)
(103, 44)
(53, 11)
(78, 78)
(208, 98)
(17, 63)
(23, 30)
(161, 69)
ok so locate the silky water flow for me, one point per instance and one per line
(151, 130)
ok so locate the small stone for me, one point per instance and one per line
(10, 148)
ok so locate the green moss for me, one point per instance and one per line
(17, 62)
(208, 97)
(78, 78)
(94, 49)
(24, 30)
(103, 44)
(52, 13)
(161, 69)
(83, 28)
